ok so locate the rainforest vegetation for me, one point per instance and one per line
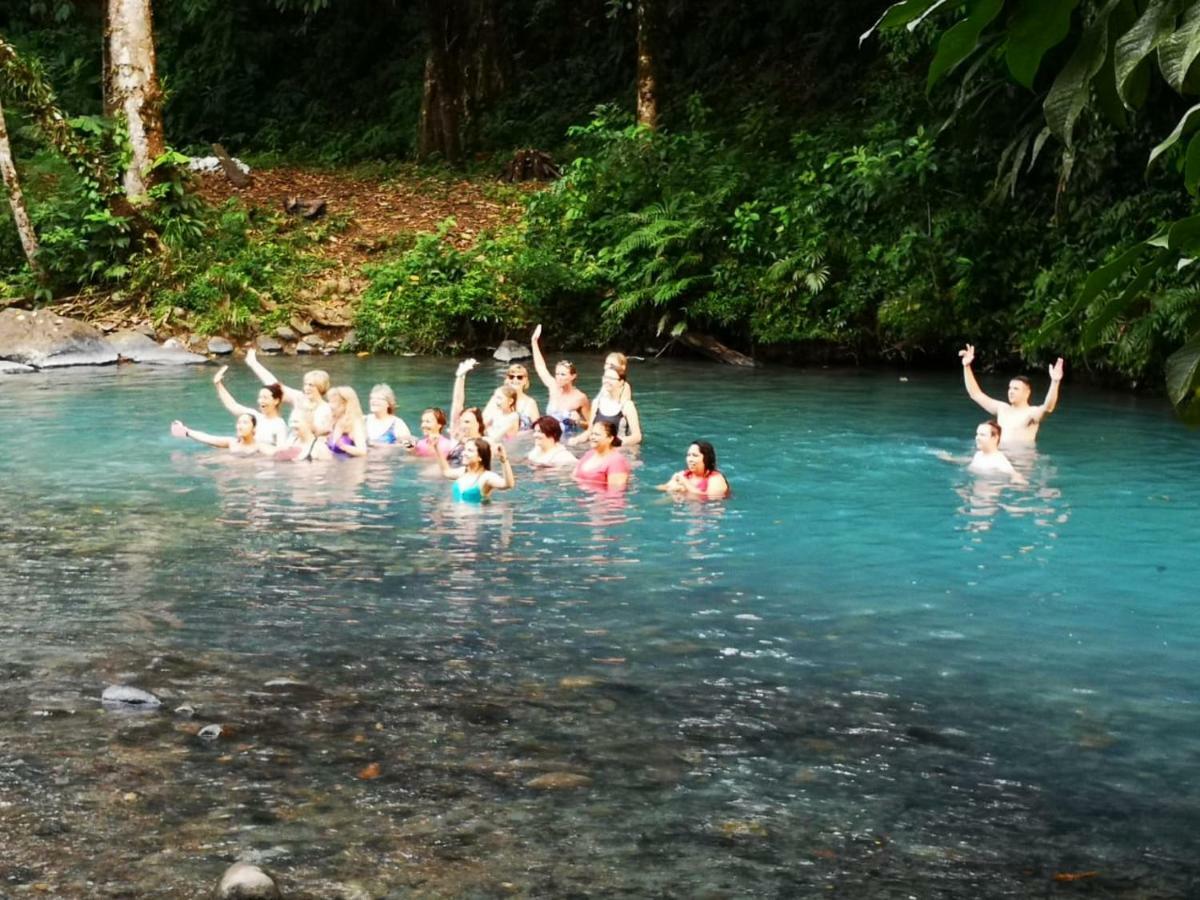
(858, 181)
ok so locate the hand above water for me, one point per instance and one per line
(1056, 370)
(464, 367)
(968, 355)
(537, 333)
(220, 374)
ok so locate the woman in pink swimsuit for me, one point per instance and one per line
(604, 465)
(700, 478)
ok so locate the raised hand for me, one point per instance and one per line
(968, 355)
(464, 367)
(1056, 370)
(537, 333)
(178, 429)
(220, 374)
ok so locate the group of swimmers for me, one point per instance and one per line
(1014, 425)
(325, 422)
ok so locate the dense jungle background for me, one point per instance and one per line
(764, 171)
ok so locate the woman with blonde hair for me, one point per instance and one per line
(308, 405)
(383, 425)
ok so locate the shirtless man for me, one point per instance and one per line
(988, 459)
(1018, 420)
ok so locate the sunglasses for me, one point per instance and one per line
(516, 376)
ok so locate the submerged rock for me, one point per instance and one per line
(44, 340)
(139, 348)
(243, 881)
(121, 696)
(13, 368)
(219, 346)
(209, 732)
(510, 350)
(559, 781)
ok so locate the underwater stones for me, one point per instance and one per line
(577, 682)
(137, 347)
(209, 732)
(243, 881)
(185, 711)
(219, 346)
(559, 781)
(120, 696)
(44, 340)
(510, 350)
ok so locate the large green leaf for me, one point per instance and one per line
(1154, 25)
(1175, 135)
(1034, 28)
(1124, 300)
(1180, 49)
(1183, 374)
(1184, 236)
(1096, 283)
(899, 14)
(1191, 164)
(1069, 93)
(960, 40)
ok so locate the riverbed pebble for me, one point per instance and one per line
(123, 696)
(242, 881)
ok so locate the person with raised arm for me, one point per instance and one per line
(466, 422)
(308, 405)
(700, 478)
(1018, 420)
(567, 402)
(474, 480)
(988, 458)
(272, 429)
(243, 443)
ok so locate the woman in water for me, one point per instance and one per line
(517, 378)
(308, 405)
(500, 417)
(466, 423)
(547, 450)
(243, 443)
(700, 477)
(610, 407)
(272, 430)
(619, 363)
(383, 425)
(473, 480)
(433, 442)
(347, 437)
(988, 458)
(604, 465)
(567, 403)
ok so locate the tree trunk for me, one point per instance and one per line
(440, 130)
(17, 200)
(135, 90)
(647, 63)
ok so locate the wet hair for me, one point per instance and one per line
(509, 393)
(618, 362)
(276, 391)
(320, 380)
(549, 426)
(995, 426)
(1025, 381)
(438, 414)
(708, 454)
(611, 429)
(253, 420)
(388, 395)
(350, 398)
(566, 364)
(484, 449)
(477, 413)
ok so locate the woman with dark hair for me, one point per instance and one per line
(700, 478)
(604, 465)
(309, 406)
(243, 443)
(433, 442)
(547, 450)
(272, 429)
(473, 480)
(567, 403)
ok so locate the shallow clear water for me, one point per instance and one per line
(867, 673)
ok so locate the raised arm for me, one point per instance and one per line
(180, 430)
(1051, 402)
(539, 363)
(443, 464)
(226, 398)
(290, 395)
(458, 396)
(973, 389)
(505, 479)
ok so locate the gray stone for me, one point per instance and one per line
(304, 349)
(13, 368)
(510, 350)
(300, 325)
(144, 328)
(209, 732)
(135, 346)
(285, 333)
(123, 696)
(44, 340)
(174, 344)
(220, 346)
(242, 881)
(314, 340)
(267, 344)
(349, 341)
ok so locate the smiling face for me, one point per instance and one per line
(378, 403)
(695, 460)
(316, 383)
(987, 438)
(470, 455)
(564, 375)
(1018, 392)
(543, 442)
(468, 426)
(245, 428)
(600, 436)
(611, 383)
(517, 378)
(267, 402)
(429, 424)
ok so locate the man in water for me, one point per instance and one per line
(1018, 420)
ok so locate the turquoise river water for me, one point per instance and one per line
(867, 674)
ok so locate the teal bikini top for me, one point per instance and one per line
(472, 494)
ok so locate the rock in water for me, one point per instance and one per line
(510, 350)
(135, 346)
(219, 346)
(559, 781)
(12, 368)
(121, 696)
(44, 340)
(243, 881)
(268, 344)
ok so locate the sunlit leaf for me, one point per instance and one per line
(1180, 49)
(899, 14)
(1174, 136)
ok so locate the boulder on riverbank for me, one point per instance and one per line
(13, 368)
(43, 340)
(137, 347)
(510, 350)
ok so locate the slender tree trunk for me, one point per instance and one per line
(17, 200)
(440, 129)
(647, 63)
(135, 90)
